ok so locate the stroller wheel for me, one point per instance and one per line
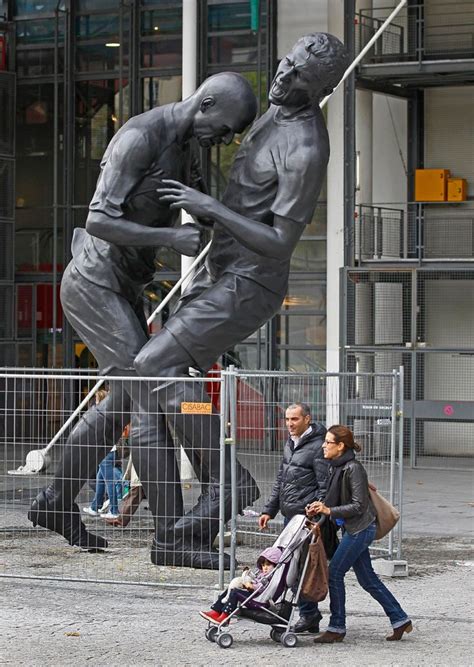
(289, 639)
(225, 640)
(211, 633)
(275, 635)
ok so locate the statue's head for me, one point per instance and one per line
(310, 71)
(227, 105)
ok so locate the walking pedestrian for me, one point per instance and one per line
(348, 499)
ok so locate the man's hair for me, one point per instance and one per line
(304, 407)
(327, 60)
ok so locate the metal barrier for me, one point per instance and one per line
(245, 430)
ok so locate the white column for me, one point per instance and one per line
(188, 87)
(335, 220)
(189, 82)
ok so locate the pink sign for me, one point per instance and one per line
(448, 410)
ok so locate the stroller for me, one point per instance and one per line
(275, 605)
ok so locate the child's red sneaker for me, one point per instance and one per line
(222, 617)
(211, 615)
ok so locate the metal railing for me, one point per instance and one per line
(420, 32)
(413, 232)
(247, 420)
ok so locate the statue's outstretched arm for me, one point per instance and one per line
(277, 241)
(184, 239)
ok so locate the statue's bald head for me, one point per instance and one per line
(231, 93)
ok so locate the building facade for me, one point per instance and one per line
(378, 280)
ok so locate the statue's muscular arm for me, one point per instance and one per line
(124, 169)
(277, 241)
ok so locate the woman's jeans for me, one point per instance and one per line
(353, 551)
(108, 480)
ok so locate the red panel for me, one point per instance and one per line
(3, 53)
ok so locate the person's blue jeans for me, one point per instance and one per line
(108, 481)
(353, 551)
(306, 608)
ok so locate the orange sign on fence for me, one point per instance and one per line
(196, 408)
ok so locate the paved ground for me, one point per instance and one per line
(51, 623)
(46, 623)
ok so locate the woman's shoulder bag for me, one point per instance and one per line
(387, 514)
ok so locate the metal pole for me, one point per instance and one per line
(366, 48)
(233, 463)
(401, 394)
(224, 398)
(393, 435)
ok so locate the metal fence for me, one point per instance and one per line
(245, 432)
(424, 31)
(423, 319)
(413, 232)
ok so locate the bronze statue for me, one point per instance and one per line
(101, 289)
(272, 192)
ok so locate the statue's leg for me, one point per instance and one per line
(200, 436)
(111, 329)
(91, 439)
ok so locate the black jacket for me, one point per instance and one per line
(356, 507)
(302, 477)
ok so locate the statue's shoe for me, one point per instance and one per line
(183, 554)
(64, 522)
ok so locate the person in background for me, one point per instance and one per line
(109, 481)
(131, 499)
(301, 479)
(348, 499)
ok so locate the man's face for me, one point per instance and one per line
(296, 422)
(293, 84)
(217, 124)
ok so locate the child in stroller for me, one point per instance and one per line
(273, 597)
(242, 587)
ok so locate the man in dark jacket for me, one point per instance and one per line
(302, 477)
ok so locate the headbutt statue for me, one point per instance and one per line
(271, 195)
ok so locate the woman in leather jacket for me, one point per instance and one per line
(347, 503)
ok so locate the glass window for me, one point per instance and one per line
(161, 21)
(233, 49)
(309, 256)
(35, 142)
(37, 62)
(307, 294)
(38, 31)
(99, 105)
(96, 5)
(160, 90)
(299, 330)
(162, 53)
(230, 15)
(301, 361)
(23, 7)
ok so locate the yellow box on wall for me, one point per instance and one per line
(457, 189)
(431, 184)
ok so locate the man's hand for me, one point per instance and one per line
(263, 520)
(178, 195)
(187, 239)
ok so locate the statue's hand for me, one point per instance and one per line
(178, 195)
(187, 239)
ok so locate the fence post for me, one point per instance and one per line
(222, 489)
(393, 436)
(401, 398)
(232, 441)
